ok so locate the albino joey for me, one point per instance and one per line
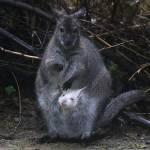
(70, 99)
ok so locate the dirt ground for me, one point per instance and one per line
(27, 134)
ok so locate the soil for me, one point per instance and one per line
(27, 135)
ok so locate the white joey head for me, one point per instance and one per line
(69, 99)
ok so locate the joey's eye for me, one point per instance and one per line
(71, 99)
(62, 30)
(75, 30)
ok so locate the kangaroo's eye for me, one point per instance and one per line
(62, 30)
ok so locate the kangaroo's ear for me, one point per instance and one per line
(57, 14)
(79, 13)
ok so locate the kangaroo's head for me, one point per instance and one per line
(67, 33)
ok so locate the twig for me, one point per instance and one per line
(129, 28)
(116, 45)
(139, 70)
(135, 52)
(132, 44)
(143, 113)
(34, 33)
(97, 37)
(147, 91)
(19, 41)
(20, 54)
(127, 58)
(10, 135)
(131, 61)
(20, 106)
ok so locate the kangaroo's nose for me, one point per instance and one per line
(68, 42)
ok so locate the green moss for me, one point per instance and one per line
(10, 90)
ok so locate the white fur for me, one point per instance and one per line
(70, 98)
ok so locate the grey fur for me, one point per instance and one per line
(71, 58)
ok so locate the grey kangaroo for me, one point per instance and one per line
(72, 61)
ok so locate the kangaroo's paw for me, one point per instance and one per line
(86, 135)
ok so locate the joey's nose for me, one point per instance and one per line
(63, 103)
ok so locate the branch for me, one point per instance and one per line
(97, 37)
(19, 54)
(22, 5)
(140, 69)
(116, 45)
(19, 41)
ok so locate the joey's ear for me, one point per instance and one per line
(80, 90)
(79, 13)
